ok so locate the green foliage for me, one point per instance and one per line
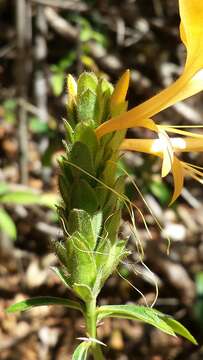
(148, 315)
(198, 306)
(81, 351)
(43, 301)
(27, 197)
(7, 225)
(160, 190)
(37, 126)
(9, 110)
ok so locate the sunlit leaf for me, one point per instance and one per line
(148, 315)
(81, 351)
(7, 225)
(43, 301)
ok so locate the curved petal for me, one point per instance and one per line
(123, 122)
(191, 13)
(120, 90)
(178, 177)
(155, 146)
(167, 151)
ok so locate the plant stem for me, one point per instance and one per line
(92, 329)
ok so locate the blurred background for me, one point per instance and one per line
(41, 41)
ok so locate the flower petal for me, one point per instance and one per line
(191, 13)
(175, 130)
(125, 121)
(120, 90)
(178, 177)
(155, 146)
(167, 151)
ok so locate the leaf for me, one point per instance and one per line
(179, 329)
(108, 257)
(135, 312)
(43, 301)
(81, 351)
(29, 197)
(37, 126)
(7, 225)
(60, 251)
(81, 262)
(3, 188)
(83, 291)
(61, 275)
(87, 136)
(65, 188)
(69, 131)
(160, 190)
(87, 80)
(80, 220)
(57, 83)
(97, 223)
(81, 156)
(83, 197)
(148, 315)
(86, 106)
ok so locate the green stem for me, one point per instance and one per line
(92, 329)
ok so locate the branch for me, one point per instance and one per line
(64, 4)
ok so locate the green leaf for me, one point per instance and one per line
(60, 251)
(43, 301)
(29, 197)
(81, 262)
(9, 110)
(80, 220)
(84, 197)
(135, 312)
(179, 329)
(83, 291)
(112, 225)
(148, 315)
(199, 283)
(69, 131)
(65, 188)
(81, 157)
(37, 126)
(87, 136)
(7, 225)
(108, 257)
(87, 81)
(97, 223)
(86, 106)
(160, 190)
(57, 83)
(81, 351)
(61, 275)
(3, 188)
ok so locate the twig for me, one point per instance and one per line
(64, 4)
(40, 84)
(60, 25)
(22, 72)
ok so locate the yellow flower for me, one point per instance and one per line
(188, 84)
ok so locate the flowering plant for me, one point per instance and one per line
(93, 193)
